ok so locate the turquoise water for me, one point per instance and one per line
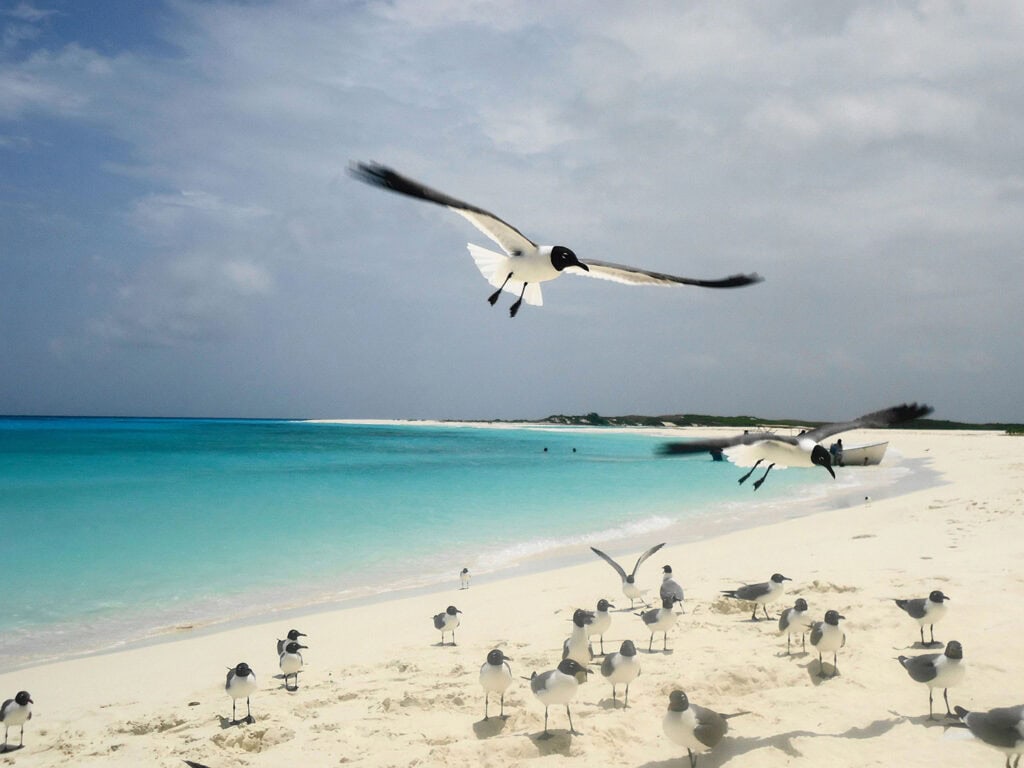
(115, 529)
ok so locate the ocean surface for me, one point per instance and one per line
(114, 531)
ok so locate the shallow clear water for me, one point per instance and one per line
(113, 529)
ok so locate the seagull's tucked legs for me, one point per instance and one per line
(493, 298)
(515, 307)
(744, 479)
(757, 483)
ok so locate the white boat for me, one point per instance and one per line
(863, 455)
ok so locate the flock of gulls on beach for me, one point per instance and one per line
(699, 729)
(519, 269)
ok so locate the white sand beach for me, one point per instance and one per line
(378, 690)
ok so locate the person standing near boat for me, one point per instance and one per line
(836, 449)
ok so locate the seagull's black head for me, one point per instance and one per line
(242, 669)
(604, 605)
(954, 650)
(668, 602)
(562, 257)
(822, 458)
(677, 701)
(451, 610)
(800, 604)
(631, 579)
(778, 578)
(667, 568)
(833, 617)
(937, 597)
(581, 617)
(496, 658)
(572, 667)
(23, 698)
(294, 647)
(294, 634)
(465, 570)
(627, 648)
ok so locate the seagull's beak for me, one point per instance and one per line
(582, 266)
(831, 471)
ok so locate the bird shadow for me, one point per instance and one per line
(226, 722)
(662, 651)
(11, 748)
(940, 721)
(794, 655)
(735, 747)
(607, 703)
(492, 726)
(917, 645)
(553, 743)
(818, 671)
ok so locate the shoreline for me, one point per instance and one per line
(378, 691)
(742, 512)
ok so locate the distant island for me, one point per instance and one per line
(747, 422)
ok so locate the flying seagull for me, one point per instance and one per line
(629, 587)
(525, 264)
(803, 450)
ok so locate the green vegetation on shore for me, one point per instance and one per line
(746, 422)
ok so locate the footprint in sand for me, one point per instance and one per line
(253, 740)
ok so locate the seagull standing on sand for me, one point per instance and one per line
(795, 619)
(464, 578)
(601, 622)
(927, 610)
(16, 711)
(751, 448)
(621, 667)
(660, 620)
(447, 622)
(577, 645)
(495, 677)
(525, 264)
(1001, 728)
(696, 728)
(292, 637)
(827, 636)
(558, 686)
(937, 670)
(669, 586)
(241, 683)
(760, 594)
(629, 587)
(290, 662)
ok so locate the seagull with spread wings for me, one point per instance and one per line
(803, 450)
(629, 586)
(525, 264)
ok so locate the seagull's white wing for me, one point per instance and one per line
(504, 234)
(620, 273)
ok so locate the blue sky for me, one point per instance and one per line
(178, 234)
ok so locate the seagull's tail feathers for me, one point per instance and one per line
(495, 267)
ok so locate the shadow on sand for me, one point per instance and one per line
(734, 747)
